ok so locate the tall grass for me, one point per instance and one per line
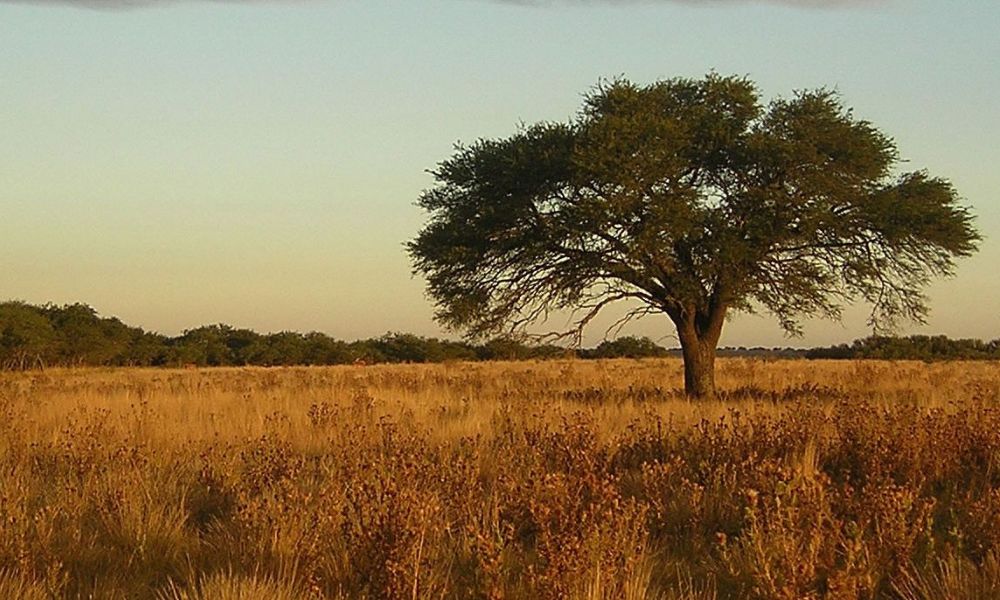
(580, 480)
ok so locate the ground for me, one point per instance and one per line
(558, 479)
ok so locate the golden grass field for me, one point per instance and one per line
(562, 479)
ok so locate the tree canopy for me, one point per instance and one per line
(693, 198)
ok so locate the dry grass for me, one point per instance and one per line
(589, 480)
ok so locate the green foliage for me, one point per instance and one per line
(84, 338)
(75, 335)
(26, 336)
(509, 348)
(914, 347)
(405, 347)
(628, 347)
(205, 346)
(689, 197)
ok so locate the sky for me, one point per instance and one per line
(256, 163)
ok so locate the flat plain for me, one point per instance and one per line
(552, 479)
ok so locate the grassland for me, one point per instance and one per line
(589, 480)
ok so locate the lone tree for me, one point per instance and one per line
(693, 198)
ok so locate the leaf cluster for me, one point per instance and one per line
(690, 197)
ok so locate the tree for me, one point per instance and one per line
(691, 198)
(205, 345)
(321, 349)
(147, 349)
(84, 338)
(628, 347)
(26, 336)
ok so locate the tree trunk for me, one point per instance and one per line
(699, 332)
(699, 367)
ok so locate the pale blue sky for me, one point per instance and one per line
(256, 163)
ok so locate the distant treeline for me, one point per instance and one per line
(75, 335)
(915, 347)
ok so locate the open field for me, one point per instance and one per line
(563, 479)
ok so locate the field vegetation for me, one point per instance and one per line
(550, 480)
